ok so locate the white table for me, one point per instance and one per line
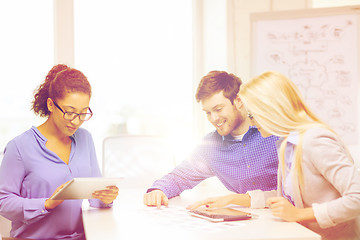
(129, 219)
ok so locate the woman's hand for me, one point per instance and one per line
(107, 195)
(219, 202)
(214, 202)
(283, 209)
(51, 204)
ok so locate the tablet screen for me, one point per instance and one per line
(221, 214)
(83, 188)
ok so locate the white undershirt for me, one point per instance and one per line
(239, 137)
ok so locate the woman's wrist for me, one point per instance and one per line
(305, 214)
(241, 199)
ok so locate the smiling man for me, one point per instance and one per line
(236, 152)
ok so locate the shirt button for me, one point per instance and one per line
(244, 145)
(248, 166)
(254, 183)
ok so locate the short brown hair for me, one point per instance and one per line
(60, 80)
(217, 81)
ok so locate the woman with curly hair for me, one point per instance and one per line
(37, 163)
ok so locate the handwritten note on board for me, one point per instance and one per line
(320, 54)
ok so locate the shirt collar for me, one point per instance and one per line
(44, 139)
(229, 137)
(39, 134)
(293, 138)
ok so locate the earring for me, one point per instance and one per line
(250, 116)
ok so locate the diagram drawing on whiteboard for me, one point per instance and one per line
(320, 54)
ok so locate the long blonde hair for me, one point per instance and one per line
(279, 109)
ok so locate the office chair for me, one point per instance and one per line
(139, 159)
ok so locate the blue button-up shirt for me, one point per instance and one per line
(242, 166)
(30, 173)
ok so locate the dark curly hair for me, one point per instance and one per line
(60, 80)
(216, 81)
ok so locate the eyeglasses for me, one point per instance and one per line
(71, 115)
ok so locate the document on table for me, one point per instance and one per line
(179, 217)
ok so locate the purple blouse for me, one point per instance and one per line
(30, 173)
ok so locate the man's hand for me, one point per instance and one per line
(155, 198)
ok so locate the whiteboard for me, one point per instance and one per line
(319, 51)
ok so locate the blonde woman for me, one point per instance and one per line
(318, 183)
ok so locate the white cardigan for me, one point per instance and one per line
(331, 186)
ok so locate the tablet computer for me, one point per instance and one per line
(221, 214)
(82, 188)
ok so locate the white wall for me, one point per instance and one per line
(210, 49)
(64, 32)
(217, 24)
